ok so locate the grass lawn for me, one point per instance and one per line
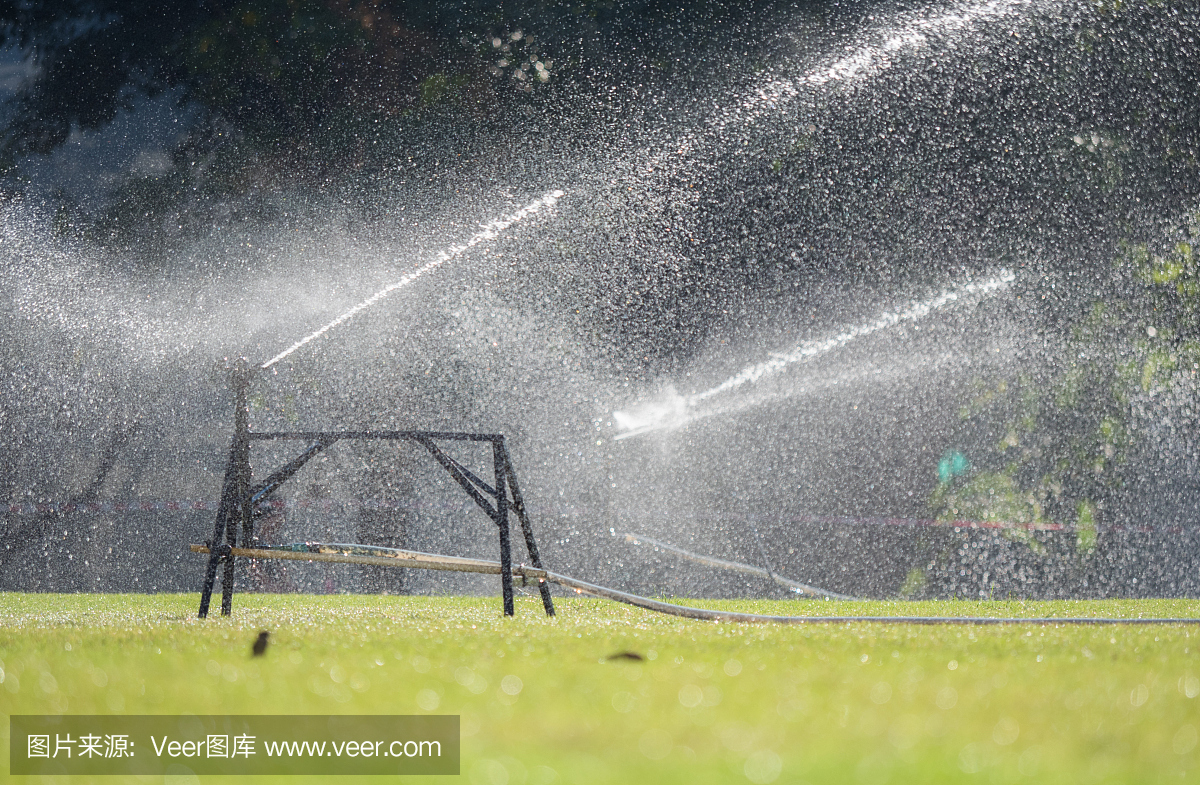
(540, 704)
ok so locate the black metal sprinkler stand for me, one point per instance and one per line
(240, 502)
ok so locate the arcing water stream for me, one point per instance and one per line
(678, 411)
(490, 231)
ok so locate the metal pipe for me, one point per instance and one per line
(449, 465)
(398, 558)
(369, 434)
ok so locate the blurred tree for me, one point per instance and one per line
(326, 95)
(1058, 447)
(280, 72)
(1072, 441)
(274, 71)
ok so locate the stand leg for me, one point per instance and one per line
(227, 584)
(544, 588)
(506, 581)
(527, 531)
(210, 575)
(235, 502)
(220, 539)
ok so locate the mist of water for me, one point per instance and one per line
(735, 212)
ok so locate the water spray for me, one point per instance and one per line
(674, 411)
(489, 231)
(906, 33)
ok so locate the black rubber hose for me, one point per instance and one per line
(396, 557)
(710, 615)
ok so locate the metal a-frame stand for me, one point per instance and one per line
(241, 503)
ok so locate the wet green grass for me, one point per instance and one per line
(827, 703)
